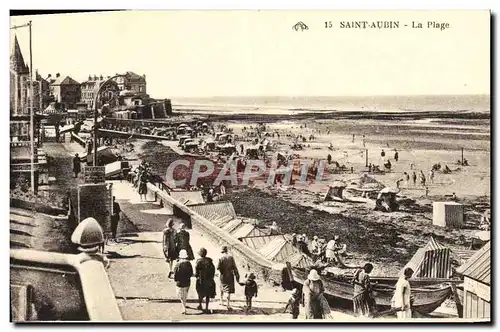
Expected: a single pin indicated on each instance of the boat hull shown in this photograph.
(426, 300)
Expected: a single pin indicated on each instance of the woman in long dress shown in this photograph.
(228, 272)
(143, 188)
(205, 284)
(362, 300)
(182, 242)
(402, 296)
(313, 290)
(183, 272)
(169, 249)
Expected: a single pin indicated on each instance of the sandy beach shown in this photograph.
(388, 240)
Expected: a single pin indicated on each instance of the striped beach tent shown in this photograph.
(431, 261)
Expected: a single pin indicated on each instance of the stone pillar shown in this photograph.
(94, 200)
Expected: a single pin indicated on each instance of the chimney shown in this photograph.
(95, 78)
(100, 78)
(90, 78)
(57, 75)
(49, 76)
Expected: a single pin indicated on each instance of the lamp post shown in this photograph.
(97, 98)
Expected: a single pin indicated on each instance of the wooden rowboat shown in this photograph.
(428, 295)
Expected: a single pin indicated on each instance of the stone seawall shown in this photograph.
(247, 257)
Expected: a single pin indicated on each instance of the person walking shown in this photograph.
(182, 242)
(169, 249)
(431, 176)
(115, 217)
(414, 178)
(77, 166)
(183, 272)
(251, 290)
(363, 301)
(312, 290)
(396, 155)
(294, 303)
(205, 284)
(228, 272)
(422, 178)
(402, 300)
(143, 188)
(330, 250)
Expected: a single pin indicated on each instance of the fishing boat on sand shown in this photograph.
(428, 294)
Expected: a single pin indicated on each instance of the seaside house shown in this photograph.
(66, 91)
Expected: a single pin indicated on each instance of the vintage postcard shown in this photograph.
(250, 166)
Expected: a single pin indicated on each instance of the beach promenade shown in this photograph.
(138, 271)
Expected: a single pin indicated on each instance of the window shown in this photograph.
(140, 88)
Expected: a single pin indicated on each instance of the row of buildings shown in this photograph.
(67, 93)
(54, 96)
(61, 93)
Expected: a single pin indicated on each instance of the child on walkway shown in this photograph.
(250, 290)
(294, 303)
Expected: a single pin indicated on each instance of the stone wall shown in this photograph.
(249, 259)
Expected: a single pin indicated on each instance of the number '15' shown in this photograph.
(328, 24)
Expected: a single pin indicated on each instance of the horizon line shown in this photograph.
(346, 95)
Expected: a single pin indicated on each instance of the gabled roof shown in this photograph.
(478, 267)
(69, 81)
(16, 59)
(134, 77)
(64, 81)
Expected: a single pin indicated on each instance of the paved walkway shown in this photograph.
(138, 272)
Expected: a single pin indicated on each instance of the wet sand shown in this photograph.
(388, 240)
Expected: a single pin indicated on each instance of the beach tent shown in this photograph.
(279, 249)
(187, 197)
(300, 260)
(246, 229)
(335, 190)
(431, 261)
(213, 211)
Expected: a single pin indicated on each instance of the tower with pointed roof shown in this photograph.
(20, 136)
(17, 63)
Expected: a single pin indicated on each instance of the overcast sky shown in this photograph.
(231, 53)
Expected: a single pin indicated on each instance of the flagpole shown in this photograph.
(32, 117)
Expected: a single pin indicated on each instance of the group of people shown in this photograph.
(139, 178)
(364, 301)
(177, 249)
(319, 249)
